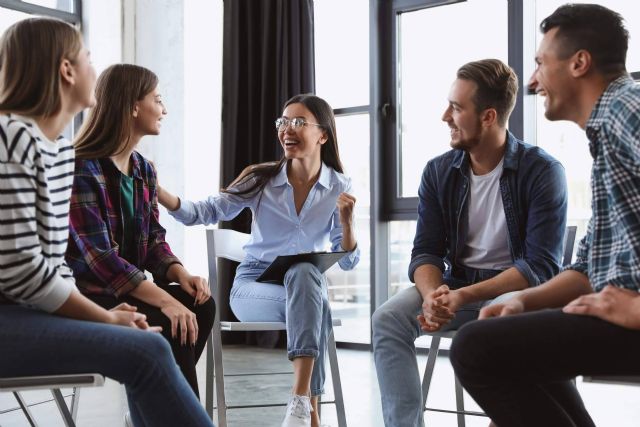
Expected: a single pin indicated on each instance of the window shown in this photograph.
(401, 235)
(427, 37)
(430, 40)
(342, 79)
(64, 5)
(15, 10)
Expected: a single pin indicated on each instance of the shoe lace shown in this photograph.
(299, 407)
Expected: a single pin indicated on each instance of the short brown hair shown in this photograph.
(107, 130)
(497, 86)
(31, 52)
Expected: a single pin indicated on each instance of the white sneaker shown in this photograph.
(298, 412)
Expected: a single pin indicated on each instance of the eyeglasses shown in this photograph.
(295, 123)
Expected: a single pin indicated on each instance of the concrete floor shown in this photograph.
(104, 407)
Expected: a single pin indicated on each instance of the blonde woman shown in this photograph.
(48, 327)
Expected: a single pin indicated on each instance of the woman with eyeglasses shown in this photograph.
(47, 327)
(115, 233)
(299, 204)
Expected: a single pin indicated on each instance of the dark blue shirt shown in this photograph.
(534, 195)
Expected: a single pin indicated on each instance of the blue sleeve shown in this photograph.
(222, 207)
(546, 222)
(351, 259)
(429, 244)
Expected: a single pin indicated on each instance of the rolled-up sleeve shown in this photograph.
(546, 222)
(351, 259)
(429, 244)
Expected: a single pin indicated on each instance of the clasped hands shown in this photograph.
(439, 308)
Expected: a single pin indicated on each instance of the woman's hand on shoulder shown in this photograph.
(165, 198)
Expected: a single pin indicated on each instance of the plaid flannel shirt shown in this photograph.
(610, 251)
(96, 228)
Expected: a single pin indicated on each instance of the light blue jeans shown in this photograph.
(36, 343)
(395, 328)
(302, 303)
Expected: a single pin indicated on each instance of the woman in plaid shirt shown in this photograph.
(115, 234)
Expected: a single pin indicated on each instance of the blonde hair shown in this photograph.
(107, 130)
(31, 52)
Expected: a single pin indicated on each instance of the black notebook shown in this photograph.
(276, 271)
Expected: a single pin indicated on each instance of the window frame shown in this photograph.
(74, 17)
(394, 207)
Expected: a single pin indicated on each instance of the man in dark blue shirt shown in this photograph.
(491, 220)
(516, 367)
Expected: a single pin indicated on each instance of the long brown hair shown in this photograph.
(31, 52)
(107, 130)
(261, 173)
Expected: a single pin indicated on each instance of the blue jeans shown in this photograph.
(395, 328)
(302, 303)
(38, 343)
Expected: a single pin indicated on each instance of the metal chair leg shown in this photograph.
(75, 400)
(337, 384)
(208, 399)
(428, 372)
(219, 375)
(62, 407)
(459, 402)
(25, 409)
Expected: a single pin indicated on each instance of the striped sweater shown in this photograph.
(36, 176)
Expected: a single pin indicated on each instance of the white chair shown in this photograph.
(54, 382)
(228, 244)
(567, 253)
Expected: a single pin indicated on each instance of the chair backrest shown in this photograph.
(227, 244)
(223, 243)
(568, 243)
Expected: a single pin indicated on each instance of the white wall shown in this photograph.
(203, 104)
(181, 41)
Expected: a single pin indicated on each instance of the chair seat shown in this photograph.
(445, 334)
(612, 379)
(51, 381)
(260, 326)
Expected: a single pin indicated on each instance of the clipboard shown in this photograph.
(278, 268)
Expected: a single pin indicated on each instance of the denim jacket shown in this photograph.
(534, 195)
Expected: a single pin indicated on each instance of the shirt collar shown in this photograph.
(510, 158)
(135, 165)
(598, 114)
(324, 179)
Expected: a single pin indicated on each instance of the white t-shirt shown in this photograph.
(487, 245)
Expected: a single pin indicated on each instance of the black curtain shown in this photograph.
(268, 57)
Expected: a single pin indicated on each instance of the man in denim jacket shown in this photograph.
(491, 220)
